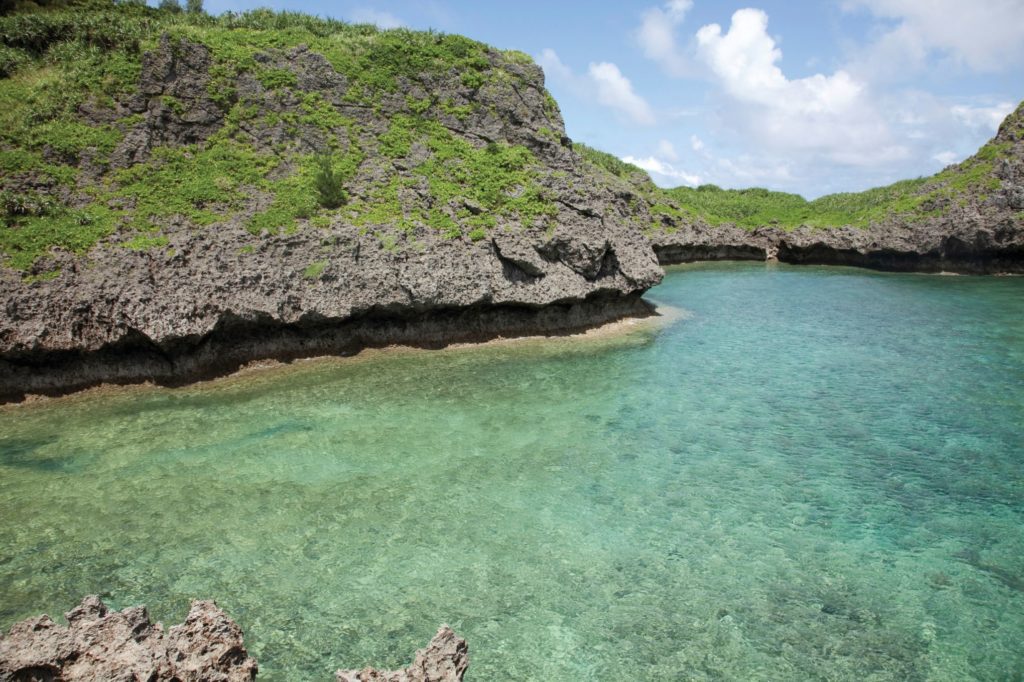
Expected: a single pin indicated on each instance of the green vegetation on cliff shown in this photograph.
(70, 94)
(120, 122)
(906, 200)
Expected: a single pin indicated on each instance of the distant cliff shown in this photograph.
(969, 218)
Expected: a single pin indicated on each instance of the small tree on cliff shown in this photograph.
(327, 182)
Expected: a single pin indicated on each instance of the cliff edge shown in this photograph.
(969, 218)
(238, 190)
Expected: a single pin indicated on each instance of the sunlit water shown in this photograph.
(817, 474)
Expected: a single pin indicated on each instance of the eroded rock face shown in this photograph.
(965, 241)
(445, 659)
(969, 231)
(219, 296)
(102, 646)
(99, 645)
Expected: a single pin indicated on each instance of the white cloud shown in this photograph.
(614, 90)
(744, 59)
(664, 169)
(656, 36)
(983, 35)
(748, 171)
(603, 82)
(838, 129)
(667, 150)
(824, 115)
(553, 66)
(983, 117)
(368, 15)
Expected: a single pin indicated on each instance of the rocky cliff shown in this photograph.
(194, 242)
(185, 194)
(968, 218)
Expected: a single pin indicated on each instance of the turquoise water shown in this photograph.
(818, 473)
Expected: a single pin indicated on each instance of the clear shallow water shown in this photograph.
(819, 474)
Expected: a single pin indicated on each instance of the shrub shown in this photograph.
(327, 182)
(11, 59)
(610, 163)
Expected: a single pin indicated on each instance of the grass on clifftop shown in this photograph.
(62, 72)
(909, 200)
(88, 54)
(750, 208)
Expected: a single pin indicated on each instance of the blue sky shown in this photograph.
(809, 97)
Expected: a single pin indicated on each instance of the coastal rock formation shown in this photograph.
(968, 220)
(100, 645)
(563, 254)
(263, 186)
(965, 242)
(445, 659)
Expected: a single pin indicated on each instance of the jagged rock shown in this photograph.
(217, 298)
(445, 659)
(103, 646)
(99, 645)
(175, 98)
(1015, 197)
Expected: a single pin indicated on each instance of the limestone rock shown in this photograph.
(103, 646)
(219, 297)
(959, 230)
(445, 659)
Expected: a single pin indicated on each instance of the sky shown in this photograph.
(811, 97)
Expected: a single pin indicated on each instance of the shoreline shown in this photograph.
(637, 314)
(684, 265)
(657, 317)
(260, 350)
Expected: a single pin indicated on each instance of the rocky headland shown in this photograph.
(421, 253)
(205, 192)
(968, 219)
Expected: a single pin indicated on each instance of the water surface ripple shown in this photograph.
(817, 474)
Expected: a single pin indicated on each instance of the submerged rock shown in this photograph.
(445, 659)
(101, 645)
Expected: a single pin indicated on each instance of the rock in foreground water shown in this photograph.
(101, 645)
(445, 659)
